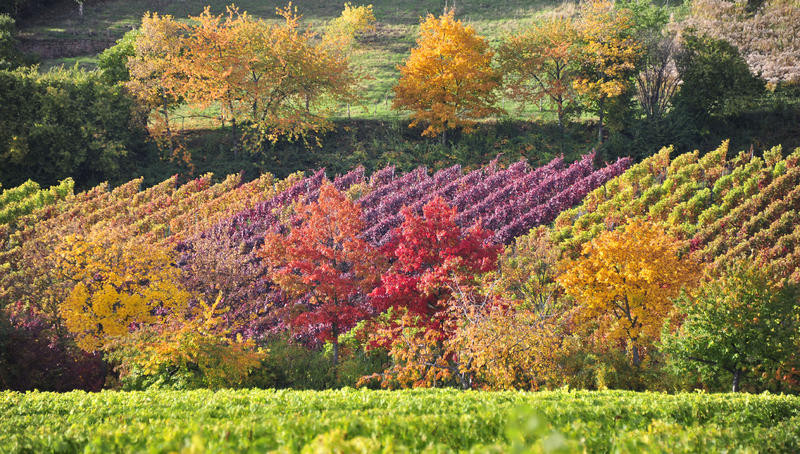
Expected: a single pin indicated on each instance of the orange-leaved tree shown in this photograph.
(324, 262)
(117, 286)
(541, 63)
(152, 77)
(609, 53)
(448, 80)
(625, 280)
(279, 79)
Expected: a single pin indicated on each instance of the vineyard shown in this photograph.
(217, 228)
(723, 209)
(406, 421)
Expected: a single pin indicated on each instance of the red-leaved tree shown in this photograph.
(431, 254)
(431, 258)
(324, 264)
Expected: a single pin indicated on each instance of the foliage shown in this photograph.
(715, 78)
(766, 37)
(32, 356)
(279, 78)
(65, 123)
(541, 64)
(353, 22)
(439, 420)
(10, 56)
(624, 282)
(609, 53)
(509, 201)
(186, 351)
(741, 325)
(116, 288)
(323, 261)
(508, 347)
(448, 80)
(431, 257)
(28, 197)
(721, 208)
(113, 62)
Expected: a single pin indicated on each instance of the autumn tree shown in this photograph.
(503, 345)
(324, 261)
(117, 286)
(152, 78)
(448, 80)
(353, 22)
(432, 256)
(541, 63)
(625, 280)
(609, 53)
(741, 324)
(279, 80)
(188, 349)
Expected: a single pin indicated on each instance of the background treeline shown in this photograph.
(691, 85)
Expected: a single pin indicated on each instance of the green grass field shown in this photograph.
(397, 421)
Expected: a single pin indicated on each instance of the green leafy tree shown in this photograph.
(10, 56)
(741, 324)
(113, 62)
(65, 123)
(715, 77)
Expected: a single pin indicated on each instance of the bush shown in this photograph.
(33, 356)
(113, 62)
(65, 123)
(10, 56)
(741, 327)
(716, 79)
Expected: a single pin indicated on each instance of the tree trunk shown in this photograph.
(560, 116)
(636, 359)
(335, 352)
(444, 137)
(234, 139)
(600, 124)
(736, 376)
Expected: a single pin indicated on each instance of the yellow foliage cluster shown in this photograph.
(116, 287)
(353, 21)
(609, 50)
(194, 340)
(448, 80)
(625, 281)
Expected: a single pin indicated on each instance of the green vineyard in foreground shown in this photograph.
(397, 421)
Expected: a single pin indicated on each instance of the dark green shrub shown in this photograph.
(65, 123)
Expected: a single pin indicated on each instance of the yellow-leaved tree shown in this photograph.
(609, 53)
(194, 348)
(354, 21)
(117, 286)
(448, 80)
(625, 281)
(152, 76)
